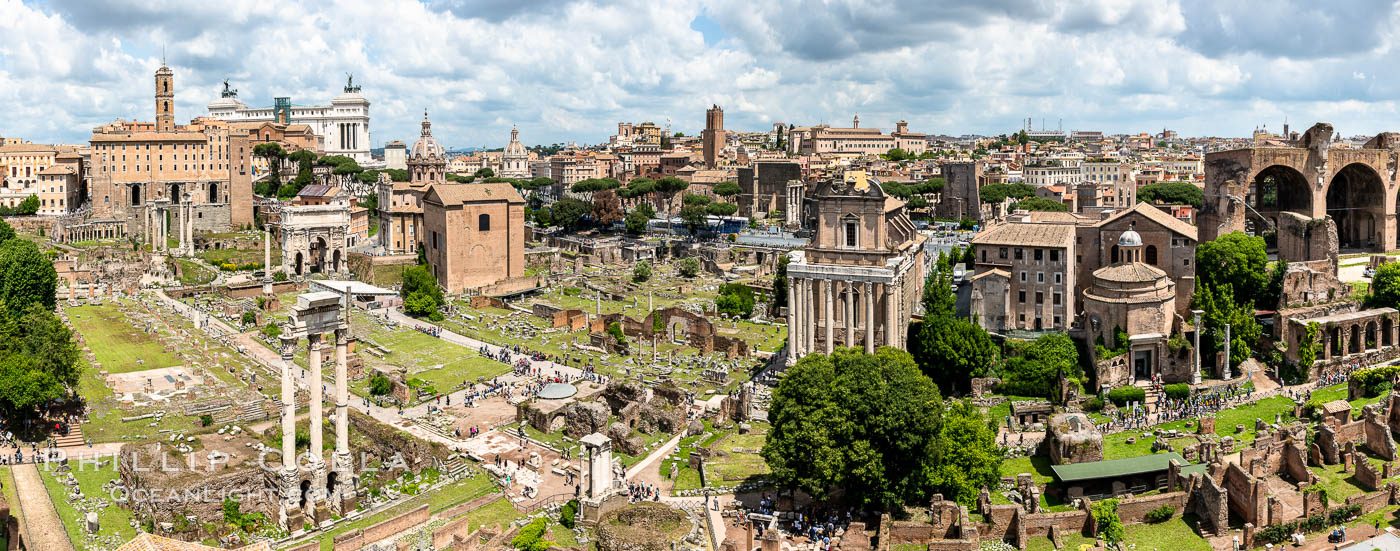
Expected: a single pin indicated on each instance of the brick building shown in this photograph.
(474, 234)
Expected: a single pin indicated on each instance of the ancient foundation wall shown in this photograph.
(1134, 510)
(353, 541)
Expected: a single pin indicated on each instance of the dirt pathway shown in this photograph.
(40, 518)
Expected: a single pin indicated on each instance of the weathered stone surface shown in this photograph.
(695, 427)
(1072, 438)
(1206, 426)
(623, 441)
(584, 418)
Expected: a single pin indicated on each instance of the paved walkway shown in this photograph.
(40, 518)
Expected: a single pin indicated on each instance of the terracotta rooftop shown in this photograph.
(472, 193)
(1027, 235)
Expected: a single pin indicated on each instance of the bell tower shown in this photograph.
(165, 98)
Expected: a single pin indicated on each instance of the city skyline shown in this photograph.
(569, 71)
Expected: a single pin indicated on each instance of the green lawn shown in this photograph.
(119, 346)
(114, 520)
(442, 364)
(1176, 534)
(1039, 467)
(191, 273)
(7, 484)
(496, 513)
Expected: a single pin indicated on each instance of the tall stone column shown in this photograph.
(809, 315)
(869, 298)
(316, 382)
(827, 318)
(290, 510)
(189, 228)
(1196, 352)
(267, 260)
(343, 489)
(899, 321)
(794, 319)
(850, 313)
(888, 291)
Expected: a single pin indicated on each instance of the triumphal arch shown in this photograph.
(1315, 195)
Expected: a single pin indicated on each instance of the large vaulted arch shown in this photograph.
(1356, 202)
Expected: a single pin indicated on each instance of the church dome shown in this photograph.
(1130, 238)
(515, 148)
(426, 147)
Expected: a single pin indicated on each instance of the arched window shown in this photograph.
(213, 193)
(483, 222)
(1151, 257)
(1113, 255)
(135, 195)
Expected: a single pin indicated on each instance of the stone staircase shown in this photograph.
(74, 438)
(456, 467)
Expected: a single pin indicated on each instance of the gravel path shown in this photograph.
(40, 518)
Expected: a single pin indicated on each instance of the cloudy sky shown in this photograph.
(570, 69)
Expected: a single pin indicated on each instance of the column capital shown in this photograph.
(289, 347)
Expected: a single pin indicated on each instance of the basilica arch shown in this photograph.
(1304, 190)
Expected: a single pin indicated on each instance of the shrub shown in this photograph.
(379, 385)
(688, 266)
(1161, 514)
(567, 514)
(206, 420)
(272, 330)
(1178, 391)
(1094, 404)
(279, 276)
(1312, 407)
(249, 318)
(1124, 395)
(1110, 526)
(572, 291)
(641, 271)
(615, 329)
(1375, 380)
(529, 538)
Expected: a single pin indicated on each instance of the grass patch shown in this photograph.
(114, 520)
(1039, 467)
(119, 347)
(496, 513)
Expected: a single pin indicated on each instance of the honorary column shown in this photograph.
(343, 465)
(850, 312)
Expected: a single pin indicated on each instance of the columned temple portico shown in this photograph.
(857, 283)
(849, 305)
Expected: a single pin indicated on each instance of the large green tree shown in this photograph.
(26, 276)
(866, 424)
(569, 213)
(949, 350)
(694, 217)
(422, 296)
(1385, 286)
(1036, 371)
(969, 458)
(1236, 259)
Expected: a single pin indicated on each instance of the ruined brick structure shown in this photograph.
(1354, 188)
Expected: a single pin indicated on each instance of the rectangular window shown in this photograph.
(1057, 321)
(1057, 302)
(1023, 277)
(1054, 255)
(984, 255)
(1021, 295)
(1039, 297)
(1019, 255)
(850, 234)
(1039, 255)
(1003, 253)
(1040, 277)
(1058, 278)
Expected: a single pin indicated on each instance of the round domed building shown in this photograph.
(1136, 298)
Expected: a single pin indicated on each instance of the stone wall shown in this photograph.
(353, 541)
(1366, 473)
(1134, 510)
